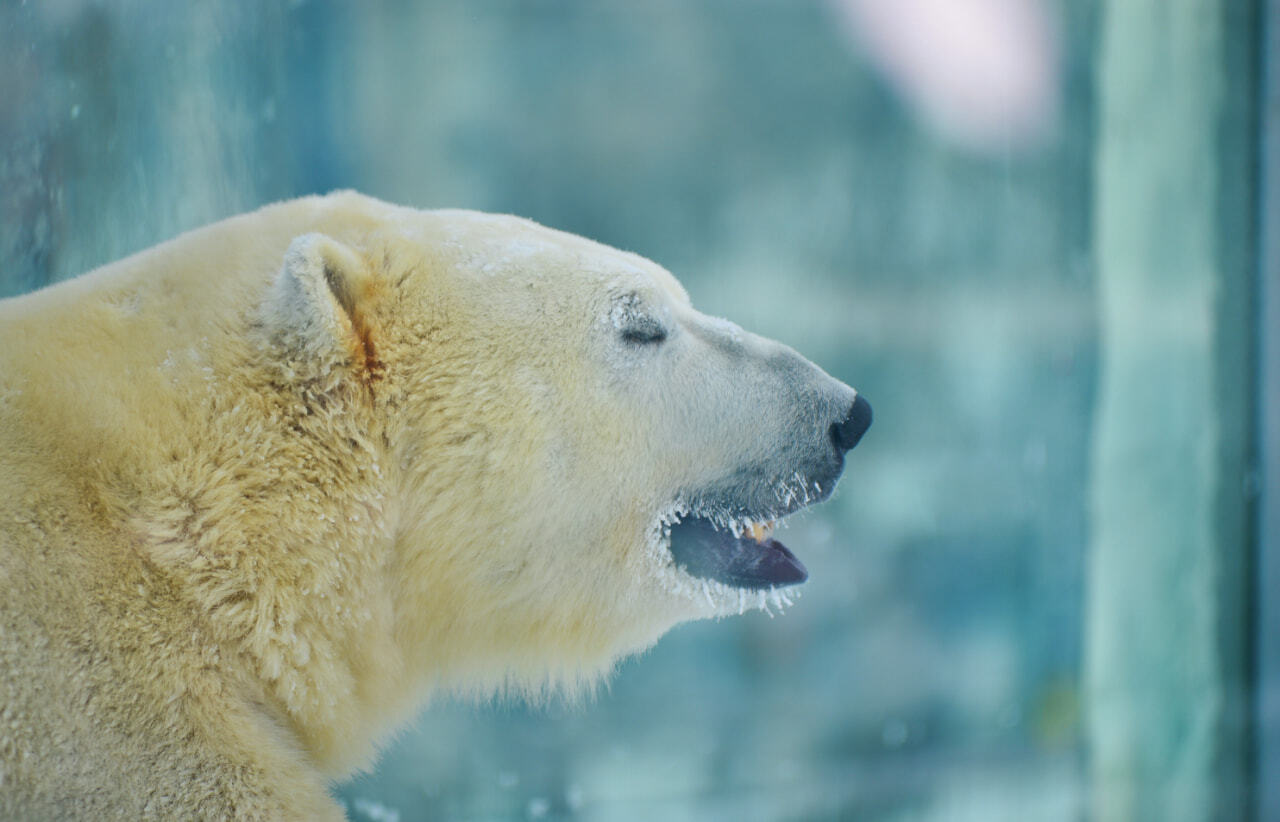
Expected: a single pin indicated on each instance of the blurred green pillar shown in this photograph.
(1167, 599)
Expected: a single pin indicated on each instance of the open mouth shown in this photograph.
(723, 543)
(720, 546)
(742, 553)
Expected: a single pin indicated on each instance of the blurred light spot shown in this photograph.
(375, 811)
(983, 73)
(574, 797)
(894, 734)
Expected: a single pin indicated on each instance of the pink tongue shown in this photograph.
(703, 551)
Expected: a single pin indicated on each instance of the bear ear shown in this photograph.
(314, 304)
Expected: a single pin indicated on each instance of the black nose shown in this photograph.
(845, 434)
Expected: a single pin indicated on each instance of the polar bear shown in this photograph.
(266, 486)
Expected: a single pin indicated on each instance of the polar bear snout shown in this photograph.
(721, 536)
(846, 433)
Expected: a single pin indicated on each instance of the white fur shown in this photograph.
(266, 486)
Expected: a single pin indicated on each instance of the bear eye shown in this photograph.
(644, 331)
(634, 323)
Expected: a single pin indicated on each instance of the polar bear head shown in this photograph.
(577, 458)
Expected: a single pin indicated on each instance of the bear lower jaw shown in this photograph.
(739, 555)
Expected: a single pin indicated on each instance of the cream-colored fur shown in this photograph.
(266, 486)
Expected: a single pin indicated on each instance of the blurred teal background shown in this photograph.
(1043, 591)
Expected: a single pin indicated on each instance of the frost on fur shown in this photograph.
(710, 597)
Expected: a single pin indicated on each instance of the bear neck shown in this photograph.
(274, 520)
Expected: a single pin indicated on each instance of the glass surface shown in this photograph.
(784, 161)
